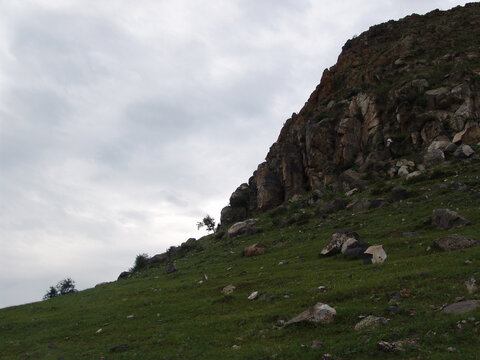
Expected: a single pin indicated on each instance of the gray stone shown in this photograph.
(446, 219)
(370, 322)
(413, 174)
(441, 145)
(403, 171)
(450, 149)
(318, 314)
(433, 157)
(471, 285)
(463, 152)
(454, 242)
(124, 275)
(158, 259)
(229, 289)
(461, 307)
(241, 227)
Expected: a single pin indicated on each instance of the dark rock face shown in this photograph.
(446, 219)
(124, 275)
(170, 268)
(370, 96)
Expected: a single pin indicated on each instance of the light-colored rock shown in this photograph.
(318, 314)
(241, 227)
(338, 238)
(378, 254)
(229, 289)
(446, 219)
(471, 285)
(403, 171)
(370, 322)
(351, 192)
(413, 174)
(405, 162)
(349, 242)
(454, 242)
(461, 307)
(253, 295)
(440, 145)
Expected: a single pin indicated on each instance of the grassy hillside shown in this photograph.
(181, 315)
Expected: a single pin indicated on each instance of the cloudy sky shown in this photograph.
(122, 123)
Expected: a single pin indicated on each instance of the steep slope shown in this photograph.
(412, 81)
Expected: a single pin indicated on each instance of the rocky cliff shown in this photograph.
(395, 89)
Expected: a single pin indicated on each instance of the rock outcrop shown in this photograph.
(396, 89)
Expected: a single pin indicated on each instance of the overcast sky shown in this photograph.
(122, 123)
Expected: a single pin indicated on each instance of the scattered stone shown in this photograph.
(471, 285)
(124, 275)
(119, 348)
(403, 171)
(451, 349)
(227, 290)
(447, 219)
(338, 238)
(171, 268)
(242, 227)
(98, 331)
(454, 242)
(413, 174)
(130, 316)
(235, 347)
(463, 152)
(318, 314)
(316, 345)
(378, 254)
(441, 145)
(397, 345)
(461, 307)
(370, 322)
(322, 288)
(399, 193)
(450, 149)
(253, 295)
(254, 249)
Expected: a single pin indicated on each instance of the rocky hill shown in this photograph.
(395, 89)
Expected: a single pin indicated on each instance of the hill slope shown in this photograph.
(185, 315)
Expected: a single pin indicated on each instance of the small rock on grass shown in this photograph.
(253, 295)
(318, 314)
(471, 285)
(227, 290)
(370, 322)
(461, 307)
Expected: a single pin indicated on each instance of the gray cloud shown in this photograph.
(122, 123)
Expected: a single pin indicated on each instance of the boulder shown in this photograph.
(318, 314)
(461, 307)
(270, 192)
(434, 157)
(359, 205)
(463, 152)
(370, 322)
(454, 242)
(440, 144)
(378, 254)
(469, 135)
(450, 149)
(331, 207)
(158, 259)
(350, 179)
(124, 275)
(413, 174)
(254, 249)
(242, 227)
(171, 268)
(337, 240)
(399, 193)
(446, 219)
(230, 214)
(378, 203)
(403, 171)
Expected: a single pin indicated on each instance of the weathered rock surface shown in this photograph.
(254, 249)
(446, 219)
(454, 242)
(370, 322)
(461, 307)
(243, 227)
(171, 268)
(229, 289)
(337, 241)
(463, 152)
(318, 314)
(341, 125)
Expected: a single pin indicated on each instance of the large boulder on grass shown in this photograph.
(454, 242)
(337, 240)
(242, 227)
(446, 219)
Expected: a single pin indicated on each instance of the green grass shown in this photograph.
(176, 317)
